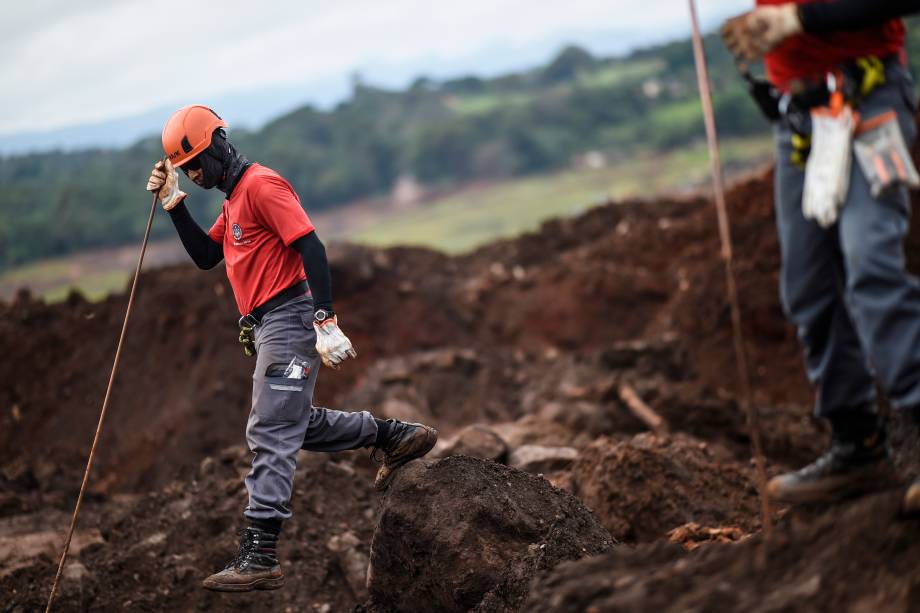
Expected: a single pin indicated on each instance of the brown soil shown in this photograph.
(859, 556)
(532, 336)
(485, 532)
(644, 487)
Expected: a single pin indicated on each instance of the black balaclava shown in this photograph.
(222, 165)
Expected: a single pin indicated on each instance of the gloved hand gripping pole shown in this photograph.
(105, 404)
(744, 382)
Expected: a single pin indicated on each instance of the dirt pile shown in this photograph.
(532, 338)
(645, 487)
(631, 270)
(486, 530)
(858, 556)
(154, 549)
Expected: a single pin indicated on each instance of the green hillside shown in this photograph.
(440, 132)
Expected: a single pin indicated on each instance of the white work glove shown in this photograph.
(827, 172)
(332, 344)
(164, 180)
(756, 32)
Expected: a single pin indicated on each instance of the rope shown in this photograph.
(105, 404)
(744, 381)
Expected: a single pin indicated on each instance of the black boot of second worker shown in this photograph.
(856, 463)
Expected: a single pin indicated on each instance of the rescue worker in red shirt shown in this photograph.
(838, 82)
(280, 277)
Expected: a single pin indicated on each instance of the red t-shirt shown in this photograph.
(807, 57)
(256, 228)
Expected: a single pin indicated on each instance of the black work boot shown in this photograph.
(406, 441)
(856, 463)
(255, 567)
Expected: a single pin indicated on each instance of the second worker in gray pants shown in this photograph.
(843, 284)
(272, 251)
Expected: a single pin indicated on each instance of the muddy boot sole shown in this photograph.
(871, 478)
(419, 447)
(262, 583)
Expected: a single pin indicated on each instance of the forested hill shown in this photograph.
(437, 131)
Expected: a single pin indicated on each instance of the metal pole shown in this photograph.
(105, 404)
(744, 381)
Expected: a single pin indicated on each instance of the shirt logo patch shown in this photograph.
(237, 231)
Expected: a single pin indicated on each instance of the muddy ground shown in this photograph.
(533, 340)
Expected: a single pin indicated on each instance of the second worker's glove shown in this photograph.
(332, 344)
(756, 32)
(164, 180)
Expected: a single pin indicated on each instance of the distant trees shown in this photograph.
(461, 129)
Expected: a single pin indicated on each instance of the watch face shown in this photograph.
(320, 315)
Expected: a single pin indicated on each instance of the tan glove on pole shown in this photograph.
(164, 180)
(751, 35)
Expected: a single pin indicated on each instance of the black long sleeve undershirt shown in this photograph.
(316, 265)
(204, 252)
(820, 17)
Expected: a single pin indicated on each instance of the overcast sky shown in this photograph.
(67, 63)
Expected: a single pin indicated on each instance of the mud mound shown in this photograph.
(464, 533)
(156, 548)
(642, 488)
(858, 556)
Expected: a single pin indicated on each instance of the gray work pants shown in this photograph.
(845, 287)
(283, 419)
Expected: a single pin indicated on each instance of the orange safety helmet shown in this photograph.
(188, 132)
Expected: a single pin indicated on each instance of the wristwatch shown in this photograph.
(321, 315)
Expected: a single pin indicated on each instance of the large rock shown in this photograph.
(477, 441)
(352, 561)
(465, 534)
(540, 459)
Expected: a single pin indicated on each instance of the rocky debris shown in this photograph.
(353, 561)
(74, 572)
(476, 441)
(464, 534)
(644, 487)
(540, 459)
(692, 535)
(664, 355)
(25, 538)
(159, 546)
(856, 556)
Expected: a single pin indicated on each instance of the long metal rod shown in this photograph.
(744, 381)
(105, 405)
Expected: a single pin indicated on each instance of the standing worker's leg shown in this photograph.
(883, 298)
(812, 286)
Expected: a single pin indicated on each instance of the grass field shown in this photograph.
(45, 277)
(477, 215)
(460, 222)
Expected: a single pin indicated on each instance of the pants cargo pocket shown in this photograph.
(281, 400)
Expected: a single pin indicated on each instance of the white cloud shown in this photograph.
(66, 63)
